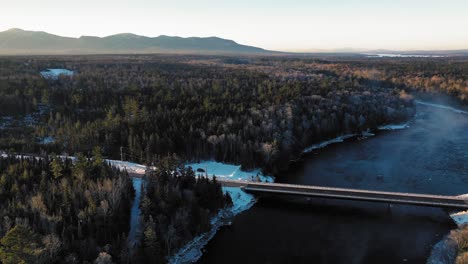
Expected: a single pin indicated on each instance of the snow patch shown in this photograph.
(241, 200)
(54, 74)
(191, 252)
(227, 171)
(128, 166)
(329, 142)
(367, 133)
(47, 140)
(460, 218)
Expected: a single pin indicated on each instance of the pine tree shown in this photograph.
(56, 167)
(20, 245)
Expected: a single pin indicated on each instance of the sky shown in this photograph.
(292, 25)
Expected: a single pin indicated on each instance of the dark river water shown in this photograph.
(429, 157)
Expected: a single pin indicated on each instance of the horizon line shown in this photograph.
(348, 50)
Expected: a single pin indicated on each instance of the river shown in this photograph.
(431, 156)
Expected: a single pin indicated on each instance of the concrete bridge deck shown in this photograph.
(454, 202)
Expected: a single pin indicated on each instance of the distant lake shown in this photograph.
(383, 55)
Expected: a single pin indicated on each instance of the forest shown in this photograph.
(55, 210)
(176, 207)
(164, 110)
(255, 111)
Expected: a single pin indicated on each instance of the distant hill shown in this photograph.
(18, 41)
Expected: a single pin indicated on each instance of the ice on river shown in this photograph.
(55, 73)
(227, 171)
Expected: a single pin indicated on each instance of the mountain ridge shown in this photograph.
(17, 41)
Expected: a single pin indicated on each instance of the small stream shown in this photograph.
(135, 221)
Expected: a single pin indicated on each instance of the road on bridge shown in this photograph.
(350, 194)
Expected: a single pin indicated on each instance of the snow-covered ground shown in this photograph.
(460, 218)
(55, 73)
(328, 142)
(128, 166)
(227, 171)
(47, 140)
(191, 252)
(442, 107)
(393, 127)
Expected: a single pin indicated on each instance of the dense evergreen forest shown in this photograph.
(54, 210)
(258, 112)
(176, 207)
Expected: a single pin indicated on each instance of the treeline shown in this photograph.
(176, 207)
(58, 211)
(433, 76)
(258, 114)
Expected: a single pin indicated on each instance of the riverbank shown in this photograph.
(191, 252)
(428, 157)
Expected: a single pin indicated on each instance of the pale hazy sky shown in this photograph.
(270, 24)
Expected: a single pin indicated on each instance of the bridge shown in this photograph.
(452, 202)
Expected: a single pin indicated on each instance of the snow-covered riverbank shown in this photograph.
(227, 171)
(461, 218)
(343, 138)
(242, 201)
(328, 142)
(445, 251)
(394, 127)
(191, 252)
(446, 107)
